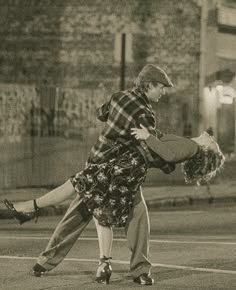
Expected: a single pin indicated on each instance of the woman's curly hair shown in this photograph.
(203, 165)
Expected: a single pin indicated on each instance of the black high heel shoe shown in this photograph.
(104, 270)
(20, 216)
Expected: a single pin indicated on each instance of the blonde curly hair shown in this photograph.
(204, 165)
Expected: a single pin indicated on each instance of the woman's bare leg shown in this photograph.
(55, 196)
(105, 238)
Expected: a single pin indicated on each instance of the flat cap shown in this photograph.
(152, 73)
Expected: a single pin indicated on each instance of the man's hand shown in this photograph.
(140, 134)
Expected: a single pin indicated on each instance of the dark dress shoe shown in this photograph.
(38, 270)
(144, 279)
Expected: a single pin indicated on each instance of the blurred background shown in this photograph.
(60, 60)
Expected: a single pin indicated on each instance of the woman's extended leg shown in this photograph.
(55, 196)
(105, 238)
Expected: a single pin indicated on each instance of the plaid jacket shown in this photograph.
(125, 110)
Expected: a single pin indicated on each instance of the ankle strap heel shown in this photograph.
(105, 259)
(104, 270)
(20, 216)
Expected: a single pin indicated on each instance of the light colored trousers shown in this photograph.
(77, 218)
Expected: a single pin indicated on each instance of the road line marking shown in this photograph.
(189, 268)
(23, 238)
(124, 240)
(195, 268)
(193, 242)
(172, 212)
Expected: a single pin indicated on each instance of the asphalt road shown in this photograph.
(190, 249)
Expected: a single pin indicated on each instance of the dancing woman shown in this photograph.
(201, 158)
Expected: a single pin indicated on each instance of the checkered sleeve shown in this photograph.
(147, 119)
(130, 111)
(102, 112)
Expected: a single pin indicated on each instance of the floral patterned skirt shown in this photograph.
(109, 188)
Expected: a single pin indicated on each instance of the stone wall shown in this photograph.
(72, 43)
(75, 46)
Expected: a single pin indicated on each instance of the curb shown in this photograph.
(189, 201)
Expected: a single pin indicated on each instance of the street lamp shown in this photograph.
(226, 94)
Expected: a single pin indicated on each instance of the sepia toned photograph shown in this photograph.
(118, 144)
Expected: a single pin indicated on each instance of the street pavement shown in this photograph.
(193, 237)
(191, 249)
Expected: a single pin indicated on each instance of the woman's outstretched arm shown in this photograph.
(170, 147)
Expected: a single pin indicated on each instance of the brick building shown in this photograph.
(60, 59)
(217, 103)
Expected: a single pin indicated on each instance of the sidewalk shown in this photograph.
(157, 197)
(189, 195)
